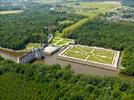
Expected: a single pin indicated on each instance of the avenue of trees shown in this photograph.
(73, 27)
(43, 82)
(17, 30)
(116, 35)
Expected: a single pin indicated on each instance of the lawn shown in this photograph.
(93, 54)
(64, 22)
(11, 12)
(31, 46)
(58, 41)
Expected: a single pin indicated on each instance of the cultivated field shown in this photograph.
(57, 41)
(92, 8)
(92, 54)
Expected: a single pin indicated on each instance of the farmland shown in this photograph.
(91, 9)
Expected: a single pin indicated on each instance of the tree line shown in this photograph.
(44, 82)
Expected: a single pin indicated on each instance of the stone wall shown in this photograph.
(113, 67)
(87, 63)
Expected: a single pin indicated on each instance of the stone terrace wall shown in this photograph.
(61, 56)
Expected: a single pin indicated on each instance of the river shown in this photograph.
(10, 54)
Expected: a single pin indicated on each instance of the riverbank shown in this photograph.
(12, 52)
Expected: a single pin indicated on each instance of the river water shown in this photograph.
(128, 2)
(10, 54)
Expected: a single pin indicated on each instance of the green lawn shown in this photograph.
(58, 34)
(10, 12)
(75, 52)
(64, 22)
(91, 54)
(31, 46)
(58, 41)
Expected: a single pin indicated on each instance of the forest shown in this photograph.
(53, 82)
(17, 30)
(115, 35)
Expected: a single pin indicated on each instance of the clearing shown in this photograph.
(90, 9)
(10, 12)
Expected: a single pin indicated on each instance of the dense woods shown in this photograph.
(43, 82)
(54, 82)
(19, 29)
(115, 35)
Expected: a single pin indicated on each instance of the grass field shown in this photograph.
(90, 9)
(31, 46)
(58, 41)
(64, 22)
(92, 54)
(10, 12)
